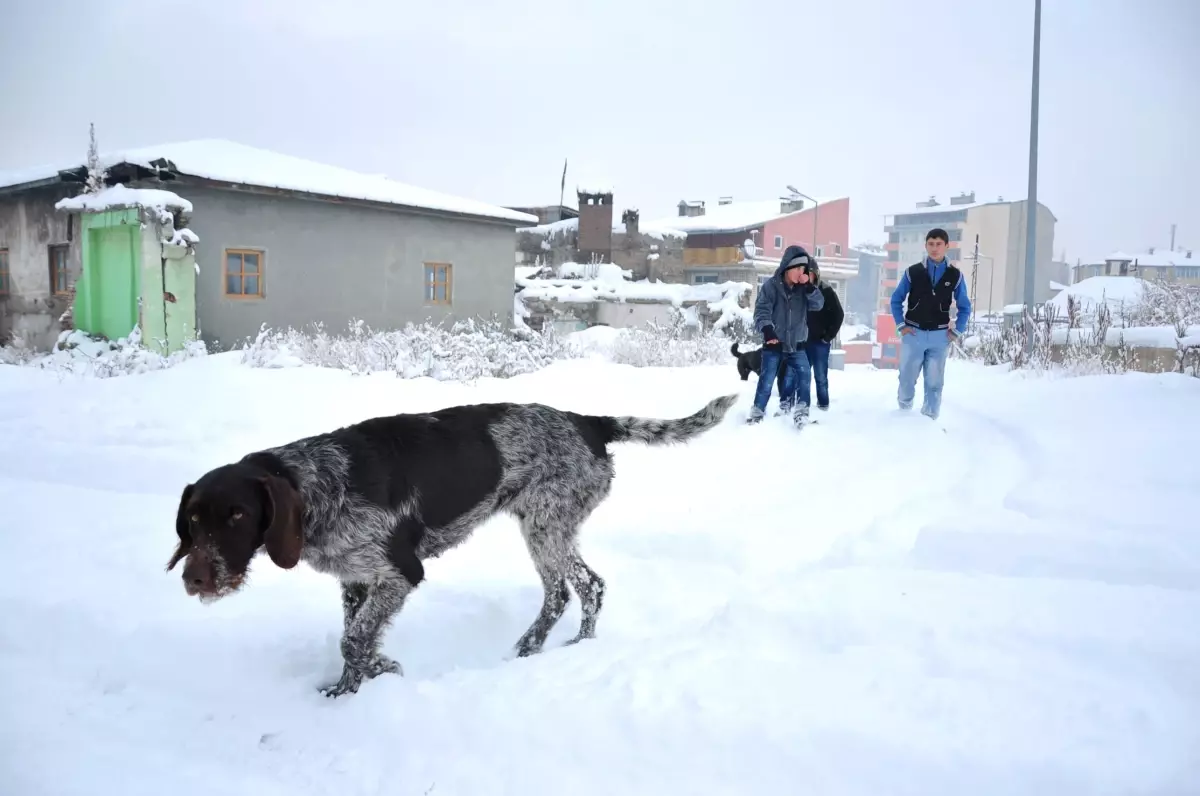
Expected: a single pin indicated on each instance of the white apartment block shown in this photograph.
(998, 279)
(1169, 266)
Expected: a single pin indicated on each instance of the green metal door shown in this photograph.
(107, 291)
(116, 291)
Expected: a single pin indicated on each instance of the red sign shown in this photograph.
(885, 329)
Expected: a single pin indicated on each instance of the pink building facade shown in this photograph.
(833, 231)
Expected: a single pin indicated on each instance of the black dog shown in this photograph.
(752, 361)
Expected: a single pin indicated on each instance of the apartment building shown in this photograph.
(1168, 266)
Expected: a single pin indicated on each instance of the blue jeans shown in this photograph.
(923, 353)
(818, 356)
(795, 379)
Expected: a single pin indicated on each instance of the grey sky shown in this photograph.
(886, 102)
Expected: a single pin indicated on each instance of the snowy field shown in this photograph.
(1005, 602)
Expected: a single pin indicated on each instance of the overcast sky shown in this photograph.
(884, 102)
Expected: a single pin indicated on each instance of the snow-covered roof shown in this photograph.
(1158, 258)
(571, 224)
(1113, 290)
(584, 283)
(120, 196)
(949, 208)
(944, 208)
(228, 161)
(733, 216)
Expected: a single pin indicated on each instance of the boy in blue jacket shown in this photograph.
(781, 316)
(924, 327)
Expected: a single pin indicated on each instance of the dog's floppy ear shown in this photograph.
(181, 528)
(281, 518)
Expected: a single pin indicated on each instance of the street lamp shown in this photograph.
(1031, 203)
(816, 212)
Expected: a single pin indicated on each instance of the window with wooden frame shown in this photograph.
(59, 273)
(5, 286)
(439, 283)
(244, 273)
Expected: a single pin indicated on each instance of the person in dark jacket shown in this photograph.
(823, 328)
(781, 316)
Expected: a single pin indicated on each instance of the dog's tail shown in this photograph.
(655, 431)
(734, 350)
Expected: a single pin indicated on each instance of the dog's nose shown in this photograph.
(197, 578)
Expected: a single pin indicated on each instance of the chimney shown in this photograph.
(790, 204)
(630, 219)
(724, 200)
(682, 208)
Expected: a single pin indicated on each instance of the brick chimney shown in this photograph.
(630, 219)
(790, 204)
(595, 226)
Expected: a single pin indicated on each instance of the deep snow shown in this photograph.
(873, 606)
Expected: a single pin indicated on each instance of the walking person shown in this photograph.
(823, 328)
(924, 327)
(781, 316)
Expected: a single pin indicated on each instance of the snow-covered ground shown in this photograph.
(875, 606)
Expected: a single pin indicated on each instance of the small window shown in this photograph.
(58, 269)
(704, 279)
(439, 283)
(837, 250)
(778, 241)
(820, 251)
(244, 273)
(5, 285)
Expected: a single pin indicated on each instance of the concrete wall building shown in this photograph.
(862, 292)
(282, 241)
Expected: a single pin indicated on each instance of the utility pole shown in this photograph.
(1172, 237)
(562, 189)
(974, 275)
(1031, 203)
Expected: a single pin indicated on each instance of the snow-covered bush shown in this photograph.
(467, 350)
(80, 354)
(677, 343)
(1108, 345)
(1168, 304)
(470, 350)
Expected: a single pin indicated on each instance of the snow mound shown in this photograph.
(77, 353)
(1118, 292)
(594, 340)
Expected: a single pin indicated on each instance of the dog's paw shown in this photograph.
(382, 664)
(581, 637)
(526, 647)
(351, 680)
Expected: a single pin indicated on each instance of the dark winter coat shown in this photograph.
(781, 311)
(825, 323)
